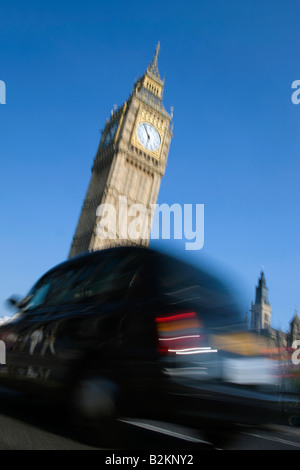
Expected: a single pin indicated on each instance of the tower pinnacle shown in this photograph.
(261, 309)
(152, 69)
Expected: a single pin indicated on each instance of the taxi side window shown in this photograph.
(109, 279)
(64, 284)
(37, 296)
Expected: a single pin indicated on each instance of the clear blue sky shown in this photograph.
(228, 68)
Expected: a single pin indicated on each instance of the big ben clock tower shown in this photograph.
(128, 167)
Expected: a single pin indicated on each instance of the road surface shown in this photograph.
(32, 424)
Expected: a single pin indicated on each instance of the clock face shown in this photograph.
(110, 134)
(148, 136)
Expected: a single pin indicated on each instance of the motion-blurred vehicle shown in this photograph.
(131, 332)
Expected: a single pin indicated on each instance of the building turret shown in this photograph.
(261, 309)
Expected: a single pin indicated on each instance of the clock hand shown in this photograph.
(146, 132)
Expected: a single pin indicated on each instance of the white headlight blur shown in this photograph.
(250, 371)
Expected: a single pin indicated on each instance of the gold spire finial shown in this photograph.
(153, 67)
(157, 49)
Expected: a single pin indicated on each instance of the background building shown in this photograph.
(261, 308)
(260, 321)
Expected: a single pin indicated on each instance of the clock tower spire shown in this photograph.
(127, 170)
(153, 67)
